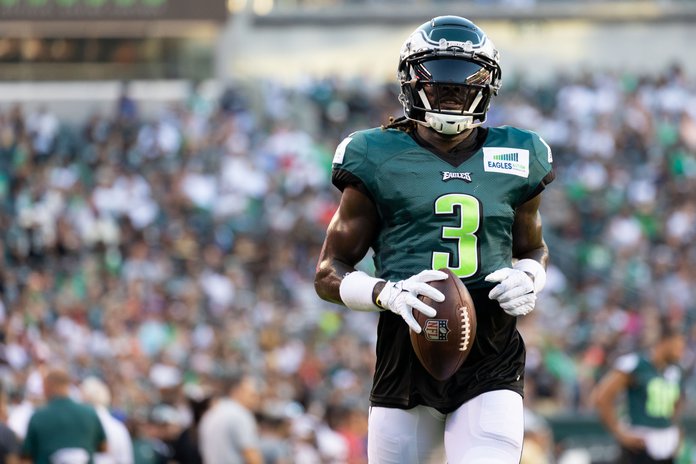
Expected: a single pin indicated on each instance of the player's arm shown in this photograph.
(352, 230)
(252, 456)
(102, 447)
(518, 286)
(349, 236)
(527, 239)
(604, 398)
(678, 412)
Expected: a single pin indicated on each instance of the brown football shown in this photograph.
(446, 339)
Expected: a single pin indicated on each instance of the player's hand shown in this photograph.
(515, 291)
(402, 297)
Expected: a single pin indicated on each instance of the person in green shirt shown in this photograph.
(62, 431)
(652, 383)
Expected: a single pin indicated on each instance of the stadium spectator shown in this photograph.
(10, 446)
(62, 431)
(33, 396)
(186, 447)
(66, 291)
(148, 447)
(119, 449)
(165, 426)
(228, 432)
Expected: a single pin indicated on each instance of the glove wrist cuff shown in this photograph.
(534, 268)
(356, 291)
(386, 296)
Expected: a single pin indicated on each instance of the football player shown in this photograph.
(437, 189)
(652, 384)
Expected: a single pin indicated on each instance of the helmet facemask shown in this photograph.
(448, 71)
(447, 92)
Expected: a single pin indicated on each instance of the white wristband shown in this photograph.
(356, 291)
(535, 269)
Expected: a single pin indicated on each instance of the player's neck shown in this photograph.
(444, 143)
(659, 360)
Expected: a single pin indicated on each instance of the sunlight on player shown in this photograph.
(435, 189)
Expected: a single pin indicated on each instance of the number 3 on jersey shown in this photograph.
(467, 209)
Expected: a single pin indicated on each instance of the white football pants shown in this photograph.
(485, 430)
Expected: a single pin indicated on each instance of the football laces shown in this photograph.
(466, 329)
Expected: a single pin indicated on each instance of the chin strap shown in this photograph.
(448, 124)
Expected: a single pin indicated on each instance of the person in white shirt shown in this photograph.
(19, 414)
(119, 444)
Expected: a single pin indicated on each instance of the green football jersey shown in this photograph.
(436, 215)
(452, 210)
(65, 428)
(653, 394)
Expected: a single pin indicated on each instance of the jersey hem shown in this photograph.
(442, 407)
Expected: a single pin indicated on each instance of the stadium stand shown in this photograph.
(156, 253)
(158, 235)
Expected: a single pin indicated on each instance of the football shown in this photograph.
(446, 339)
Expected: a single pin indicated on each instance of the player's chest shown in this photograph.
(416, 184)
(650, 379)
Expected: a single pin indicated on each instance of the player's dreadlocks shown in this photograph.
(401, 123)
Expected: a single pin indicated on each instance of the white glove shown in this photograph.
(516, 291)
(402, 297)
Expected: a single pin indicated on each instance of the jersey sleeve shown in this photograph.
(627, 363)
(541, 171)
(351, 165)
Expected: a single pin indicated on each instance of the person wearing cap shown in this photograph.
(186, 447)
(63, 431)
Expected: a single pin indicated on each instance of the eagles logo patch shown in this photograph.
(436, 330)
(465, 176)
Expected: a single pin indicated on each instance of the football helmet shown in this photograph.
(448, 71)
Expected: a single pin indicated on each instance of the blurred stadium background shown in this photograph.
(164, 191)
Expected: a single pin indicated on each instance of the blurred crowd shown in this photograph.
(332, 3)
(161, 254)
